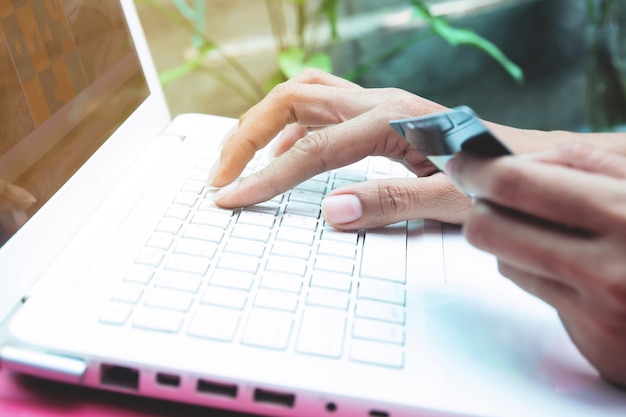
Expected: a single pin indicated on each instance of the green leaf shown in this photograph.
(172, 74)
(275, 79)
(294, 60)
(329, 8)
(457, 36)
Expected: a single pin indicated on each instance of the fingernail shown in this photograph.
(448, 167)
(224, 191)
(449, 171)
(342, 209)
(213, 173)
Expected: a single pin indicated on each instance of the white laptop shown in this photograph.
(118, 272)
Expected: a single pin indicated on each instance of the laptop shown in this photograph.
(118, 272)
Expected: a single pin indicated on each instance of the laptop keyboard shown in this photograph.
(271, 276)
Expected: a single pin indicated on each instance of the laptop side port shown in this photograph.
(216, 388)
(168, 380)
(272, 397)
(378, 413)
(119, 376)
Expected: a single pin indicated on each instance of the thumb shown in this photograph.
(376, 203)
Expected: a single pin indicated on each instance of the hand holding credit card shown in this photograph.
(439, 136)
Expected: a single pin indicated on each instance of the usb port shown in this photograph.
(168, 380)
(216, 388)
(273, 397)
(119, 376)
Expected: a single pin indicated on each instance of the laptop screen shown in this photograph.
(69, 77)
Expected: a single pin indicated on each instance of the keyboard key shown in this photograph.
(150, 256)
(225, 297)
(283, 282)
(304, 209)
(232, 279)
(208, 204)
(334, 264)
(302, 236)
(199, 175)
(214, 323)
(330, 233)
(159, 320)
(169, 299)
(301, 222)
(345, 250)
(331, 280)
(378, 330)
(178, 211)
(268, 207)
(115, 313)
(382, 291)
(202, 248)
(160, 241)
(287, 265)
(313, 186)
(179, 281)
(379, 311)
(328, 298)
(209, 233)
(128, 293)
(322, 332)
(384, 253)
(246, 231)
(256, 218)
(211, 218)
(377, 353)
(292, 250)
(193, 186)
(188, 263)
(238, 262)
(347, 175)
(245, 247)
(186, 198)
(268, 328)
(139, 274)
(277, 300)
(168, 225)
(303, 196)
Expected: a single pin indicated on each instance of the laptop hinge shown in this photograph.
(43, 365)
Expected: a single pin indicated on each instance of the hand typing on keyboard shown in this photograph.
(345, 123)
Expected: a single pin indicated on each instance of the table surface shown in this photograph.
(25, 396)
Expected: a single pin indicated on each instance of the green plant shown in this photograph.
(439, 26)
(298, 46)
(606, 89)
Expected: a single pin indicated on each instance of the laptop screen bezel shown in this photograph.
(36, 245)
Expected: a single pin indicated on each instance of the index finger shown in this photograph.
(585, 157)
(558, 194)
(311, 99)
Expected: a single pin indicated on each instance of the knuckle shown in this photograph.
(284, 89)
(267, 177)
(311, 75)
(403, 102)
(393, 198)
(314, 145)
(576, 150)
(614, 289)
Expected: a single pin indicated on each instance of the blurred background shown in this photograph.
(543, 64)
